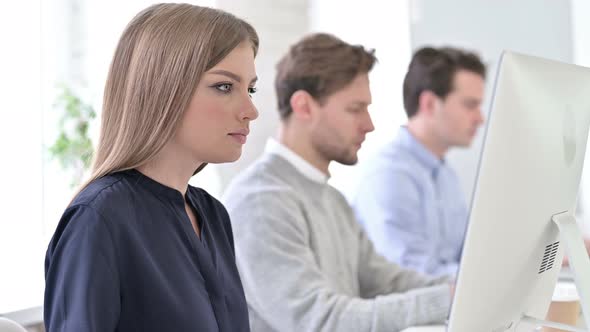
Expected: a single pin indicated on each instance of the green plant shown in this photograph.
(73, 146)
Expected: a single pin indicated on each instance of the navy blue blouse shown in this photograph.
(125, 257)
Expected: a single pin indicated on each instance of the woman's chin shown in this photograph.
(227, 158)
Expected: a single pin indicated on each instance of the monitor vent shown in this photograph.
(549, 257)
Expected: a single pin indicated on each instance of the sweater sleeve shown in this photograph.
(285, 285)
(379, 276)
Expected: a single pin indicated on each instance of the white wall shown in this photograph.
(353, 23)
(536, 27)
(279, 23)
(21, 269)
(346, 19)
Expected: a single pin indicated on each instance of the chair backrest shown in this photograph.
(7, 325)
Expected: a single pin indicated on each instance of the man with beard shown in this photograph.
(305, 262)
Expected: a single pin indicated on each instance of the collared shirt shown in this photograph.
(125, 257)
(411, 205)
(275, 147)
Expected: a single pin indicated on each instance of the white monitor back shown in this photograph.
(529, 170)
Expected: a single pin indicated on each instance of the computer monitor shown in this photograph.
(521, 218)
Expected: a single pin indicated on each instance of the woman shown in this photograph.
(138, 249)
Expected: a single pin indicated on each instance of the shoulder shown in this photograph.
(391, 171)
(112, 203)
(268, 197)
(105, 193)
(388, 177)
(267, 180)
(452, 174)
(390, 161)
(81, 227)
(93, 202)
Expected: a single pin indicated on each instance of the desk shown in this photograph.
(565, 278)
(430, 328)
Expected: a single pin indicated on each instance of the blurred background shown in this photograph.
(54, 60)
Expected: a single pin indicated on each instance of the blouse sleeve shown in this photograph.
(82, 279)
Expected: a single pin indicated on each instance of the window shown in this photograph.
(21, 165)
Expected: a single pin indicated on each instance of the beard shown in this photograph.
(333, 150)
(348, 160)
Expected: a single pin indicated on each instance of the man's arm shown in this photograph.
(379, 276)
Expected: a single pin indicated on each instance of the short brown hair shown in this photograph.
(319, 64)
(433, 69)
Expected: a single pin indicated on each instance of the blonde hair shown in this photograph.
(157, 65)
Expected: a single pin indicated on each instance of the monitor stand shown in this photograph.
(575, 250)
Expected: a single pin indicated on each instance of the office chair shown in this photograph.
(7, 325)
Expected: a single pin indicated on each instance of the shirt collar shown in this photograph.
(155, 186)
(308, 170)
(424, 156)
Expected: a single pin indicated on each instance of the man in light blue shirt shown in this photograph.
(409, 200)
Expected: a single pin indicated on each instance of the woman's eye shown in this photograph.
(252, 90)
(225, 87)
